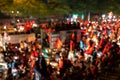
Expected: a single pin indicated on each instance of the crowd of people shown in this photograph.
(97, 51)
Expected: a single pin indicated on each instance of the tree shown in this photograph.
(45, 8)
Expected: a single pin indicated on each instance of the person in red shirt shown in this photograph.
(27, 26)
(33, 57)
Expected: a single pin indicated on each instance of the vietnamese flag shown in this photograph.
(101, 41)
(72, 45)
(73, 36)
(106, 48)
(90, 50)
(58, 44)
(86, 22)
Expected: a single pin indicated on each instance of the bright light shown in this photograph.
(5, 27)
(114, 17)
(21, 28)
(18, 20)
(12, 11)
(67, 19)
(75, 16)
(17, 12)
(103, 15)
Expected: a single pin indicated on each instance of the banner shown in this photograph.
(21, 37)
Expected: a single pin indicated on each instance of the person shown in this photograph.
(82, 44)
(47, 39)
(33, 57)
(6, 37)
(60, 66)
(71, 56)
(1, 41)
(6, 40)
(44, 68)
(9, 77)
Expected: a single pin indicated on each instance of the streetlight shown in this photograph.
(12, 12)
(17, 12)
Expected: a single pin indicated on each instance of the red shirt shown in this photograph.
(34, 54)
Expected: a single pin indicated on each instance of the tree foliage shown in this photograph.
(41, 8)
